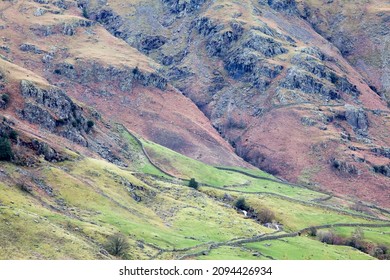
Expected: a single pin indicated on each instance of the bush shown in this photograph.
(193, 184)
(5, 97)
(356, 240)
(241, 204)
(117, 245)
(326, 237)
(13, 134)
(85, 12)
(312, 231)
(5, 149)
(90, 124)
(266, 216)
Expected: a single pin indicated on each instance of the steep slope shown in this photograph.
(82, 58)
(70, 209)
(360, 30)
(283, 96)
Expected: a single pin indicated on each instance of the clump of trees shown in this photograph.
(193, 184)
(117, 245)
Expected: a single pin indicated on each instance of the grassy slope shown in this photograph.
(93, 199)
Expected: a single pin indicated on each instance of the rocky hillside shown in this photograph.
(275, 83)
(143, 122)
(282, 88)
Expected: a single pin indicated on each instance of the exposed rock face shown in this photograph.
(30, 48)
(110, 20)
(281, 5)
(267, 46)
(344, 167)
(357, 118)
(86, 72)
(66, 28)
(298, 79)
(44, 149)
(53, 110)
(188, 6)
(382, 169)
(384, 152)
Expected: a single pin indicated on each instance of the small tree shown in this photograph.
(241, 204)
(85, 12)
(13, 134)
(117, 245)
(90, 124)
(5, 98)
(193, 184)
(5, 149)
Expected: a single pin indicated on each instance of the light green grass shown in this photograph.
(186, 168)
(231, 253)
(139, 160)
(379, 236)
(302, 248)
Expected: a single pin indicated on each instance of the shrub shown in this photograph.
(356, 240)
(5, 149)
(327, 237)
(85, 12)
(193, 184)
(241, 204)
(117, 245)
(90, 124)
(5, 97)
(13, 134)
(312, 231)
(266, 216)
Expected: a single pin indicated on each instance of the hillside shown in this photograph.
(287, 99)
(109, 108)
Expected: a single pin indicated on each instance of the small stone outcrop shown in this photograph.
(53, 110)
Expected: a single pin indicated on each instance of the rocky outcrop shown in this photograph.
(65, 28)
(152, 43)
(206, 26)
(344, 167)
(383, 151)
(30, 48)
(53, 110)
(187, 6)
(44, 149)
(357, 118)
(312, 64)
(287, 6)
(111, 21)
(267, 46)
(220, 43)
(382, 169)
(299, 79)
(86, 72)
